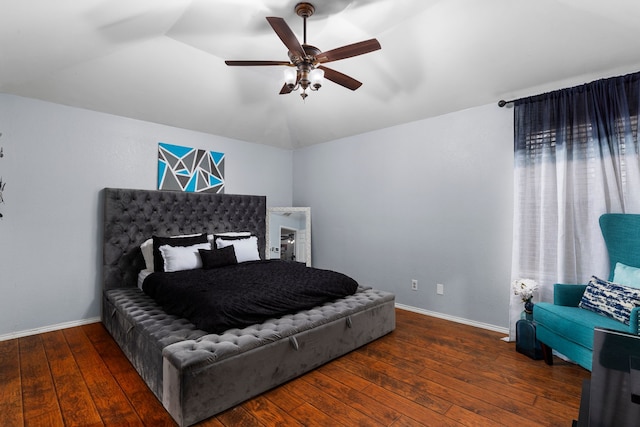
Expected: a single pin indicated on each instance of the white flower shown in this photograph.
(525, 288)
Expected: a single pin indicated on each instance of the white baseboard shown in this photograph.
(400, 306)
(50, 328)
(454, 319)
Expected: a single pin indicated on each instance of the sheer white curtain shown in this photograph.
(576, 157)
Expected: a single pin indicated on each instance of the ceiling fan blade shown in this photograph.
(286, 35)
(341, 79)
(258, 63)
(285, 89)
(348, 51)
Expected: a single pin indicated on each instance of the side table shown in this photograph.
(526, 342)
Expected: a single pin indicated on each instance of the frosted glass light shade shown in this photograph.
(316, 76)
(290, 76)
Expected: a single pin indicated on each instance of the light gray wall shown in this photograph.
(430, 200)
(56, 161)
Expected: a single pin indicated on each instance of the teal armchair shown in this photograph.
(567, 328)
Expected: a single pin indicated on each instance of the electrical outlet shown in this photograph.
(440, 289)
(414, 284)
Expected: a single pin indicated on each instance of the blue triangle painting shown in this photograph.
(179, 168)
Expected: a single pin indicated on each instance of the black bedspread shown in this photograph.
(245, 294)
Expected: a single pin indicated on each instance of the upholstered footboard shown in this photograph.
(142, 330)
(197, 375)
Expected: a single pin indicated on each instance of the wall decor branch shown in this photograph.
(2, 183)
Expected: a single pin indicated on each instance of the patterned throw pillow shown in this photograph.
(610, 299)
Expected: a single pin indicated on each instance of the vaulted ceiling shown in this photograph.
(163, 61)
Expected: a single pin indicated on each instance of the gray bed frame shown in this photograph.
(193, 373)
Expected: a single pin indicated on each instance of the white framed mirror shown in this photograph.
(289, 234)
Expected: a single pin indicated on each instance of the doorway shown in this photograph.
(288, 241)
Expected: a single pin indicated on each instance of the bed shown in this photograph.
(194, 373)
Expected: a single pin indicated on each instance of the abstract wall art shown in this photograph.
(190, 169)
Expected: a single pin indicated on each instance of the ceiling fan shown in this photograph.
(305, 71)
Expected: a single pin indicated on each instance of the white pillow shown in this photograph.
(143, 275)
(147, 252)
(246, 249)
(178, 258)
(147, 249)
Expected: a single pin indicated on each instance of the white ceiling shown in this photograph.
(163, 60)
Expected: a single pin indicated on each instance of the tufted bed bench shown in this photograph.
(196, 374)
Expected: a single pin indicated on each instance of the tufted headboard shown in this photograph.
(133, 216)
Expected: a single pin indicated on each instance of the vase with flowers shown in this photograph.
(525, 288)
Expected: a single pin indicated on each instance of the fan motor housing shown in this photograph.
(310, 55)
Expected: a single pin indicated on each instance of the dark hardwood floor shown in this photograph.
(427, 372)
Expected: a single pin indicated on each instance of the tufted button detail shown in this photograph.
(132, 216)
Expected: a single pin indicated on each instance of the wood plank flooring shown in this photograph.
(427, 372)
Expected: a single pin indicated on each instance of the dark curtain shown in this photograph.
(576, 157)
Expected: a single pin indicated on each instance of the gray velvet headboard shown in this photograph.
(132, 216)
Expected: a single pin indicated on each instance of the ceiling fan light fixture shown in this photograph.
(316, 77)
(312, 78)
(290, 77)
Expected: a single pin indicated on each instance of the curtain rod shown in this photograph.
(586, 86)
(503, 103)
